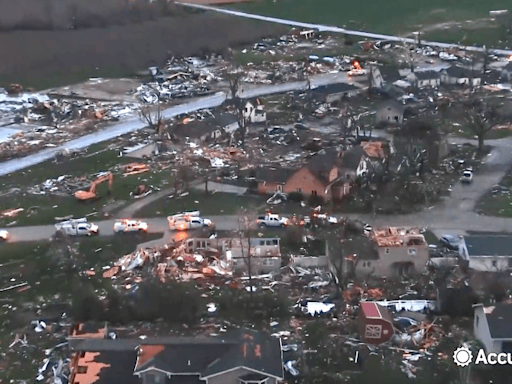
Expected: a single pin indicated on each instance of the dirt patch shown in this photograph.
(43, 59)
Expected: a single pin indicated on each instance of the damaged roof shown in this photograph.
(331, 89)
(499, 318)
(480, 245)
(210, 356)
(352, 157)
(274, 175)
(107, 367)
(426, 75)
(390, 74)
(199, 128)
(323, 162)
(459, 72)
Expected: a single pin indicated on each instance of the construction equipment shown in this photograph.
(187, 220)
(91, 193)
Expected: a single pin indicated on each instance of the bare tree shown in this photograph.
(235, 80)
(480, 117)
(152, 116)
(246, 221)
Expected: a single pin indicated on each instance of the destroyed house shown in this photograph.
(458, 75)
(334, 92)
(492, 327)
(254, 112)
(382, 76)
(424, 79)
(265, 253)
(390, 112)
(401, 251)
(506, 72)
(240, 357)
(271, 180)
(490, 253)
(353, 163)
(207, 130)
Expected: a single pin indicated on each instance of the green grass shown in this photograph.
(52, 281)
(397, 17)
(51, 206)
(498, 204)
(216, 204)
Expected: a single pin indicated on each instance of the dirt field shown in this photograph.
(45, 59)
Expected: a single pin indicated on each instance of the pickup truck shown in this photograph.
(130, 226)
(78, 227)
(272, 220)
(187, 220)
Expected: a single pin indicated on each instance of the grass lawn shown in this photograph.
(397, 17)
(52, 281)
(216, 204)
(498, 203)
(47, 207)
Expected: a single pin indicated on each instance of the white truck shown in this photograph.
(77, 227)
(272, 220)
(187, 220)
(3, 235)
(130, 226)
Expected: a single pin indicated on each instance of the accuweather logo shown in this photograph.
(463, 357)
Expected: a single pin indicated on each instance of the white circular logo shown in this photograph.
(462, 356)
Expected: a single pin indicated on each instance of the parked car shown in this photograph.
(187, 220)
(467, 176)
(4, 235)
(130, 226)
(450, 242)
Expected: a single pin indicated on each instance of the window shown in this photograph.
(373, 331)
(313, 193)
(412, 251)
(494, 264)
(299, 190)
(267, 262)
(280, 188)
(387, 251)
(477, 320)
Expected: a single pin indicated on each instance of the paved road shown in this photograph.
(327, 28)
(132, 124)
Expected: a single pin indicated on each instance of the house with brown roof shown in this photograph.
(320, 176)
(238, 357)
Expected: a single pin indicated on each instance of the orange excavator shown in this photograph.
(91, 193)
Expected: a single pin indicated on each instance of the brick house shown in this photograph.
(329, 174)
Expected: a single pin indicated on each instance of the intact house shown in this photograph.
(237, 357)
(390, 113)
(254, 112)
(492, 327)
(264, 253)
(506, 72)
(424, 79)
(490, 253)
(207, 130)
(388, 252)
(421, 140)
(384, 76)
(334, 92)
(458, 75)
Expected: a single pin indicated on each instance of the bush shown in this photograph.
(315, 200)
(296, 197)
